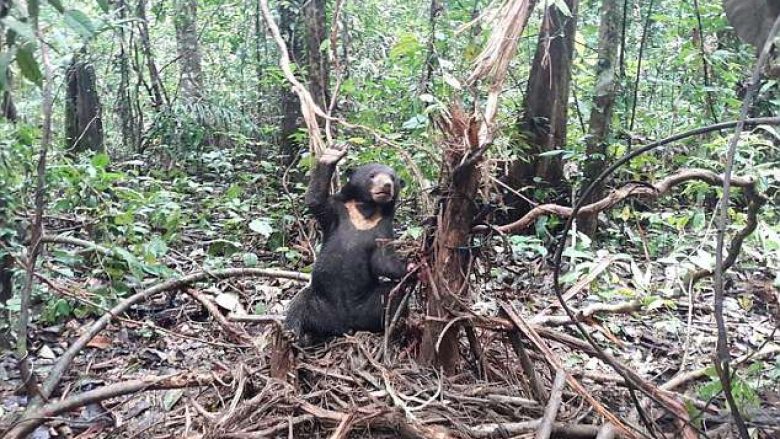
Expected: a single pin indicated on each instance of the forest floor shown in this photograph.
(355, 386)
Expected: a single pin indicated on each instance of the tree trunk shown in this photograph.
(451, 257)
(546, 106)
(83, 120)
(289, 146)
(603, 103)
(318, 65)
(123, 104)
(188, 48)
(435, 10)
(157, 90)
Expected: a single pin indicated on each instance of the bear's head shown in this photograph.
(373, 183)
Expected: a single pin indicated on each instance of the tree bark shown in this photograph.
(159, 98)
(546, 105)
(123, 104)
(289, 146)
(83, 118)
(451, 256)
(318, 65)
(188, 48)
(603, 103)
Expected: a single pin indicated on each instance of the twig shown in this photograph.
(254, 318)
(643, 41)
(588, 313)
(175, 381)
(235, 334)
(551, 411)
(520, 428)
(555, 362)
(684, 378)
(69, 240)
(529, 370)
(67, 358)
(722, 349)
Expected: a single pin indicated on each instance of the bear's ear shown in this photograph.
(348, 172)
(401, 183)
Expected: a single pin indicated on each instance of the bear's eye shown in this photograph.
(372, 175)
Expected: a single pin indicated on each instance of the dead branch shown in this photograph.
(235, 333)
(630, 190)
(686, 377)
(69, 240)
(551, 411)
(589, 312)
(555, 362)
(498, 430)
(40, 415)
(64, 362)
(267, 319)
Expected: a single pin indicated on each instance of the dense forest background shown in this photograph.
(142, 142)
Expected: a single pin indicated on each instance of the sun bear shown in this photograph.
(347, 291)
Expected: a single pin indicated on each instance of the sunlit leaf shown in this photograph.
(103, 4)
(28, 65)
(20, 28)
(79, 22)
(261, 226)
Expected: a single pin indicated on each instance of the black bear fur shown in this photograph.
(347, 292)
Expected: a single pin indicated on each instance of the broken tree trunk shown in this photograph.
(451, 257)
(83, 119)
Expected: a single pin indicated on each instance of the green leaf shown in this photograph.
(250, 259)
(261, 226)
(416, 121)
(103, 4)
(407, 45)
(28, 65)
(57, 4)
(79, 22)
(20, 28)
(100, 160)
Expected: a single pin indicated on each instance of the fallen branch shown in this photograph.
(64, 362)
(38, 416)
(518, 428)
(630, 190)
(588, 313)
(686, 377)
(69, 240)
(551, 411)
(235, 334)
(267, 319)
(556, 363)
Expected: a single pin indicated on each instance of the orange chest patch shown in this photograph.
(357, 219)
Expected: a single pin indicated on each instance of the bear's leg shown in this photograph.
(311, 318)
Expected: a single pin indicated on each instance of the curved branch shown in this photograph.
(67, 358)
(175, 381)
(629, 190)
